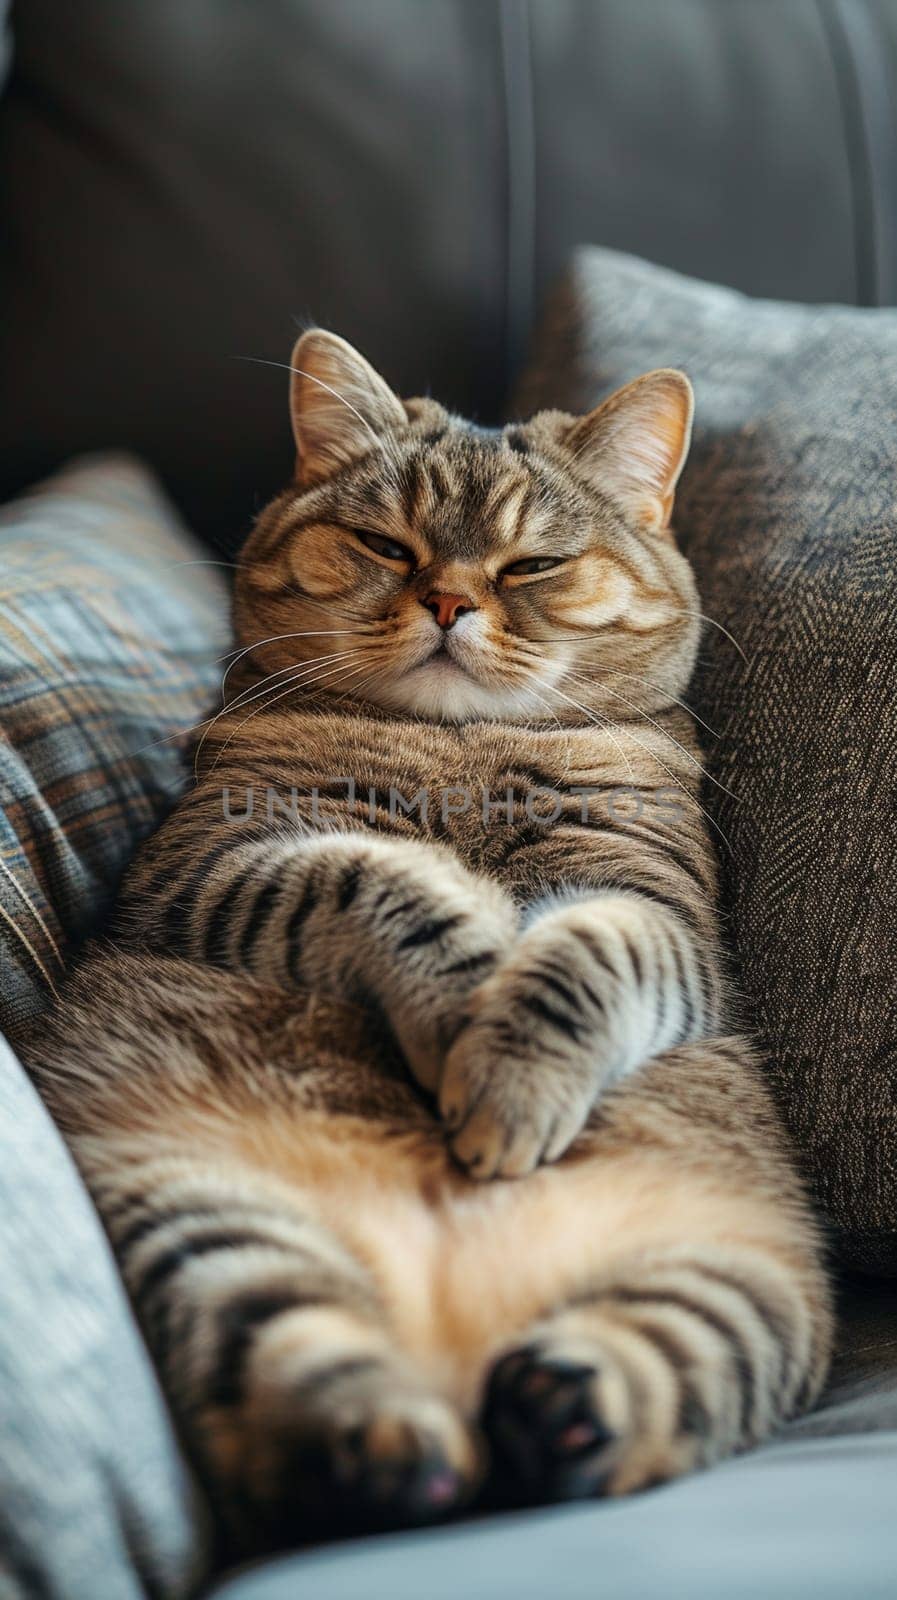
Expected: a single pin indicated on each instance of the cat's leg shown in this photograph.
(357, 916)
(697, 1317)
(669, 1365)
(276, 1352)
(595, 986)
(201, 1113)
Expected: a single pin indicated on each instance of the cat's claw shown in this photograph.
(507, 1112)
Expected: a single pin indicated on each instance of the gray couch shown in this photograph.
(178, 183)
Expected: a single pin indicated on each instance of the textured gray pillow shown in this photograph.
(94, 1497)
(788, 509)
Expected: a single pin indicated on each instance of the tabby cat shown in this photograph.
(404, 1087)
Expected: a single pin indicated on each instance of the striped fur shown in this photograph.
(323, 1027)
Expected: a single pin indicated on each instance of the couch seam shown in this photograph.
(517, 83)
(876, 111)
(849, 90)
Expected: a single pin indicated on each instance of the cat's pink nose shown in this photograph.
(447, 608)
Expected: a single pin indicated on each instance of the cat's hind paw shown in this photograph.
(542, 1415)
(566, 1420)
(366, 1453)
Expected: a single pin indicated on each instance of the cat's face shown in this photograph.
(452, 573)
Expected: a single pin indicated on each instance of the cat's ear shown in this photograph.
(634, 445)
(339, 405)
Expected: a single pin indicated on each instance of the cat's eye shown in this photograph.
(531, 564)
(389, 549)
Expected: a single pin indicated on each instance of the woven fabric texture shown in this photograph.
(96, 1502)
(788, 510)
(110, 623)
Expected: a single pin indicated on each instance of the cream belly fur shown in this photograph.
(464, 1268)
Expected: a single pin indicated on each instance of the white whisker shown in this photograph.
(664, 768)
(202, 561)
(294, 683)
(638, 677)
(599, 721)
(301, 373)
(257, 644)
(256, 691)
(357, 687)
(714, 624)
(528, 689)
(667, 735)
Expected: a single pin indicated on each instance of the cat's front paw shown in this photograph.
(419, 931)
(558, 1022)
(508, 1101)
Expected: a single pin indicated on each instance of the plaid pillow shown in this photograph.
(110, 626)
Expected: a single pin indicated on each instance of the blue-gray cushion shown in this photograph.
(95, 1502)
(110, 623)
(809, 1516)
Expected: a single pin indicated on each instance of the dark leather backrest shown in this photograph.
(181, 181)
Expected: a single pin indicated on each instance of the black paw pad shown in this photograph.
(359, 1487)
(398, 1491)
(541, 1416)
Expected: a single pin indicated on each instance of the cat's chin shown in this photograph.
(442, 690)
